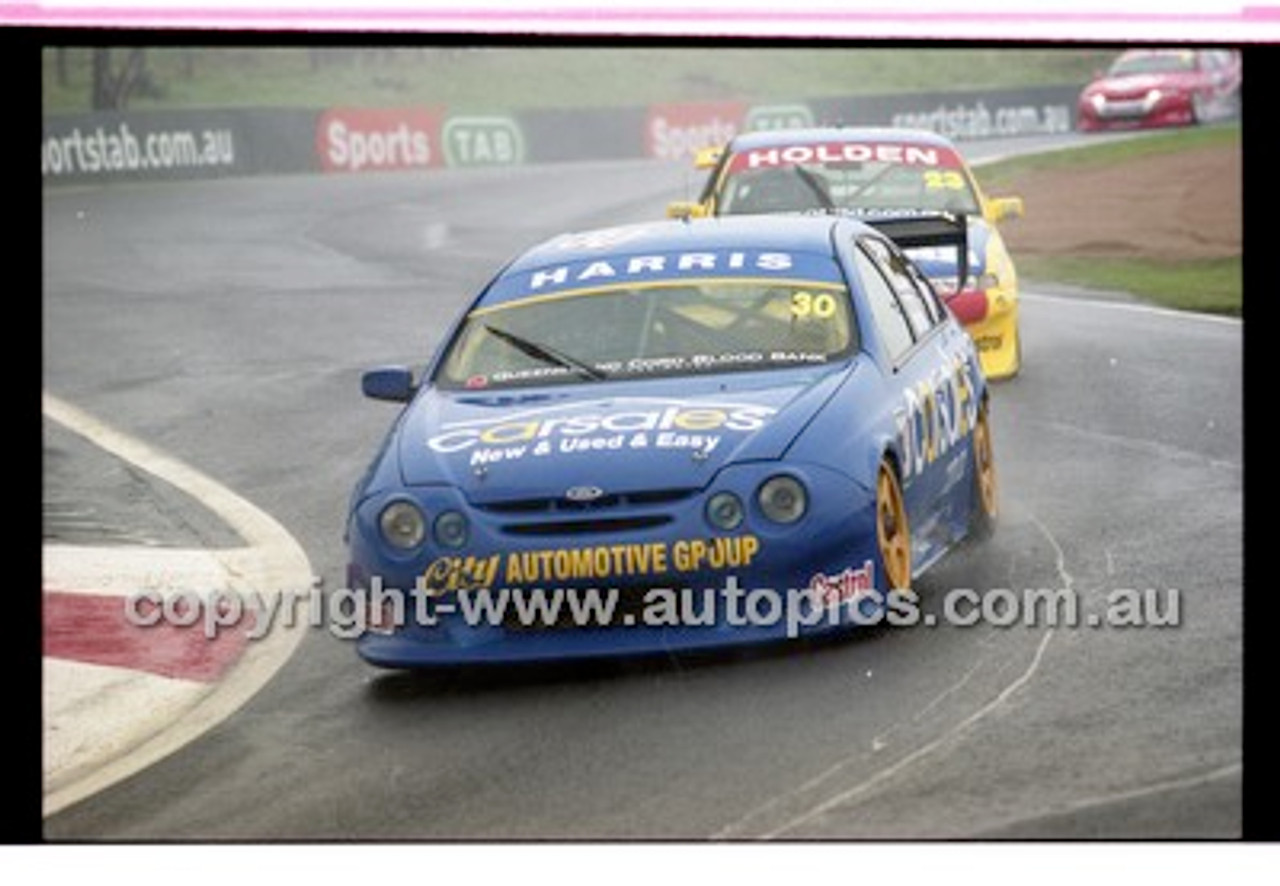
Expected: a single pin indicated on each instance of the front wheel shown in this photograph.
(1199, 110)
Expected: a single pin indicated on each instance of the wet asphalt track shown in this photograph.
(227, 323)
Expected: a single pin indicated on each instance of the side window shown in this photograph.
(887, 312)
(929, 296)
(902, 278)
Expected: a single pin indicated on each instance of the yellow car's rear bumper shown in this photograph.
(997, 339)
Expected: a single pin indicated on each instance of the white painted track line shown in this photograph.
(112, 722)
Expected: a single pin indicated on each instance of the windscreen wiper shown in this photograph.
(811, 182)
(867, 185)
(546, 353)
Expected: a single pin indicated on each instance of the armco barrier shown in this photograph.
(180, 145)
(974, 114)
(573, 135)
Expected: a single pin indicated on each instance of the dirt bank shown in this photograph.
(1181, 205)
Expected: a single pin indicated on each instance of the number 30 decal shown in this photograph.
(806, 304)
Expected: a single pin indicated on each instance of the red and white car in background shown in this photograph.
(1163, 87)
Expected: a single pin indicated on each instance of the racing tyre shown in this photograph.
(893, 534)
(986, 492)
(1199, 110)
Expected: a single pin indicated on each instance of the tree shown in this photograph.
(111, 91)
(102, 98)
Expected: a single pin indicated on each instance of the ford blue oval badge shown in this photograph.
(583, 493)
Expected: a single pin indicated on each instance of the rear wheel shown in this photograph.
(986, 505)
(892, 531)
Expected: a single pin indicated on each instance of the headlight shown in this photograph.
(450, 530)
(724, 510)
(783, 499)
(403, 525)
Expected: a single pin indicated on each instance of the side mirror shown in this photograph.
(686, 209)
(393, 383)
(1002, 208)
(706, 158)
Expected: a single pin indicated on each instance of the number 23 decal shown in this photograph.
(935, 179)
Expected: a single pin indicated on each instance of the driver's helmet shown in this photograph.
(780, 190)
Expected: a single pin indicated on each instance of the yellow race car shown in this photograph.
(876, 173)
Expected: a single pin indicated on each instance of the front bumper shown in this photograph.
(761, 582)
(1135, 113)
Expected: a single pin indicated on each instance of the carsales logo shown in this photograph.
(362, 139)
(674, 132)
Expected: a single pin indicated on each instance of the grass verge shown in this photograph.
(501, 79)
(999, 175)
(1212, 285)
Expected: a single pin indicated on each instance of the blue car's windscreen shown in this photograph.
(651, 329)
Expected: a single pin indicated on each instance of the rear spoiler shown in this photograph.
(916, 231)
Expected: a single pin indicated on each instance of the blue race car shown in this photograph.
(674, 436)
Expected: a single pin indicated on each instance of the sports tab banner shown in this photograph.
(375, 139)
(678, 131)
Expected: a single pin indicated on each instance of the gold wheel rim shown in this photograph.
(985, 464)
(892, 532)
